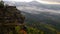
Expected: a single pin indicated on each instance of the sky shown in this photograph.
(41, 1)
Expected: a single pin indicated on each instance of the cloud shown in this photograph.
(19, 0)
(49, 1)
(10, 3)
(52, 0)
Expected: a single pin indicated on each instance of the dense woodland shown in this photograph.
(12, 22)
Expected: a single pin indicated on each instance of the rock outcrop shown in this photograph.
(9, 18)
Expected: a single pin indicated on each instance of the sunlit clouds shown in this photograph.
(48, 2)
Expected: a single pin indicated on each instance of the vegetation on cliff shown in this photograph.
(12, 22)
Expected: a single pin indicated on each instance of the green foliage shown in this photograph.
(30, 30)
(43, 28)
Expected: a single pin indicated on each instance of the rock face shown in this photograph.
(10, 14)
(9, 18)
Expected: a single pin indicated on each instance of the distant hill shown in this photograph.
(43, 18)
(36, 12)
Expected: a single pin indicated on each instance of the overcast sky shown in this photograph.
(41, 1)
(52, 0)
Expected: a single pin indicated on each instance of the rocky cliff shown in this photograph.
(9, 18)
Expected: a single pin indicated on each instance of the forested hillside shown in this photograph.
(12, 21)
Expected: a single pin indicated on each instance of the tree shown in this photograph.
(9, 18)
(1, 4)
